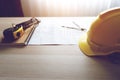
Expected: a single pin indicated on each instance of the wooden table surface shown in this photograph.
(63, 62)
(54, 62)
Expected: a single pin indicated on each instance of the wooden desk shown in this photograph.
(65, 62)
(54, 62)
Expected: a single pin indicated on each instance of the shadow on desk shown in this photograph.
(109, 64)
(4, 48)
(112, 58)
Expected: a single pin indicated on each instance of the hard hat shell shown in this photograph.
(103, 37)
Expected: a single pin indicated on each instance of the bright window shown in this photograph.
(66, 7)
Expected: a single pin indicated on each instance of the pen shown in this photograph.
(71, 27)
(79, 28)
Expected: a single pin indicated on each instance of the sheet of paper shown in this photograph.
(50, 31)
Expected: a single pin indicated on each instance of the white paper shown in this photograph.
(50, 31)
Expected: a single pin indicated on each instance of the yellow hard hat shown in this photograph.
(103, 37)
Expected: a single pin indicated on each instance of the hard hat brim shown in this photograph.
(84, 46)
(86, 49)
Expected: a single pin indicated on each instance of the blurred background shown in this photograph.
(54, 8)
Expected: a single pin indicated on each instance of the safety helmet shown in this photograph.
(103, 37)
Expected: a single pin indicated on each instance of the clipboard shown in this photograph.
(22, 41)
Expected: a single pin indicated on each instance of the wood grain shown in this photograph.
(65, 62)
